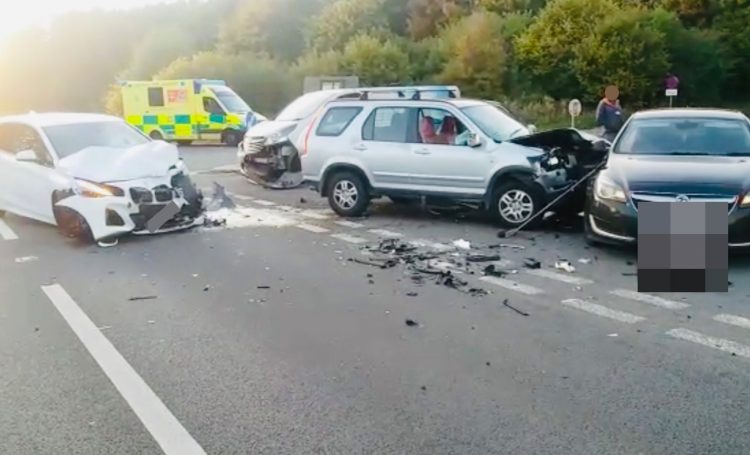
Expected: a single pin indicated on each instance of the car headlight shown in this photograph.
(745, 201)
(86, 188)
(276, 138)
(606, 189)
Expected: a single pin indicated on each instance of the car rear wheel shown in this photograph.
(231, 138)
(515, 202)
(400, 200)
(156, 135)
(184, 143)
(348, 195)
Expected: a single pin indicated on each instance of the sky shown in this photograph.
(16, 15)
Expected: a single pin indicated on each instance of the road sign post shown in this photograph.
(574, 109)
(671, 93)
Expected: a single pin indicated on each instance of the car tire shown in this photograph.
(184, 143)
(231, 138)
(506, 198)
(348, 195)
(72, 225)
(156, 135)
(399, 200)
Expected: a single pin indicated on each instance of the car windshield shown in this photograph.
(686, 136)
(304, 106)
(231, 101)
(495, 123)
(72, 138)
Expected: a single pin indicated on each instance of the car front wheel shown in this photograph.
(515, 202)
(348, 195)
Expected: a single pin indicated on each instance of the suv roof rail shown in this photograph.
(414, 93)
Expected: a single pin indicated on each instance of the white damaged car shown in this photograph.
(94, 176)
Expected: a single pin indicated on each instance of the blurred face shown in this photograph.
(612, 93)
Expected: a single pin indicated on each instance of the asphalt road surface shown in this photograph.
(261, 337)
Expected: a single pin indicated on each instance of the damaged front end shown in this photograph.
(570, 156)
(271, 161)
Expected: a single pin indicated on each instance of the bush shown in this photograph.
(342, 20)
(732, 26)
(262, 82)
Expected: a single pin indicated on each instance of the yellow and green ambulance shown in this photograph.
(187, 110)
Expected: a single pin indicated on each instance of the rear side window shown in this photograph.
(336, 120)
(387, 124)
(156, 97)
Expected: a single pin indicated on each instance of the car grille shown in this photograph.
(161, 193)
(638, 197)
(254, 145)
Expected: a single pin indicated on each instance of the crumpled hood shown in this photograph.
(111, 164)
(267, 128)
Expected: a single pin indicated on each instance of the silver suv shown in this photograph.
(460, 150)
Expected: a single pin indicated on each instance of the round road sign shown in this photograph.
(574, 108)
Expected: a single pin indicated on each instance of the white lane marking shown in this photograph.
(650, 299)
(739, 321)
(313, 215)
(559, 276)
(171, 436)
(349, 224)
(349, 238)
(512, 285)
(313, 228)
(226, 168)
(242, 197)
(264, 202)
(6, 232)
(603, 311)
(385, 233)
(23, 259)
(711, 342)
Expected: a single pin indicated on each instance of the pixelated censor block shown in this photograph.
(683, 247)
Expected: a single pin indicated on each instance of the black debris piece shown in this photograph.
(214, 222)
(557, 236)
(417, 279)
(629, 274)
(206, 288)
(412, 294)
(482, 257)
(492, 270)
(36, 329)
(380, 263)
(221, 199)
(488, 364)
(146, 297)
(689, 317)
(629, 263)
(473, 328)
(734, 354)
(264, 287)
(502, 233)
(423, 388)
(371, 281)
(730, 284)
(411, 323)
(522, 313)
(450, 280)
(531, 263)
(302, 200)
(478, 292)
(369, 275)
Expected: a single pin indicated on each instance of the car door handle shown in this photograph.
(360, 147)
(422, 151)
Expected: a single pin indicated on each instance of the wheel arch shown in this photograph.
(519, 173)
(335, 168)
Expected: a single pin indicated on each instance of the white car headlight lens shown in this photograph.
(745, 201)
(606, 189)
(94, 190)
(276, 138)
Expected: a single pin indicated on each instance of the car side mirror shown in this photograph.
(27, 156)
(532, 128)
(474, 140)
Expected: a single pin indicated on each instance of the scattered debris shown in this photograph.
(462, 244)
(424, 387)
(36, 329)
(411, 323)
(147, 297)
(522, 313)
(383, 264)
(482, 257)
(612, 335)
(511, 246)
(371, 281)
(412, 294)
(502, 233)
(531, 263)
(206, 288)
(629, 274)
(220, 199)
(23, 259)
(565, 265)
(264, 287)
(585, 261)
(629, 263)
(488, 363)
(302, 200)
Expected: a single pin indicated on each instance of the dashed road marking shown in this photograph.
(313, 215)
(349, 224)
(349, 238)
(512, 285)
(6, 232)
(601, 310)
(559, 277)
(650, 299)
(242, 197)
(313, 228)
(385, 233)
(738, 321)
(263, 202)
(711, 342)
(164, 427)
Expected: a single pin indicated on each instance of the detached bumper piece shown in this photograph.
(275, 166)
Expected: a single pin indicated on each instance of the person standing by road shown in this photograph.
(609, 115)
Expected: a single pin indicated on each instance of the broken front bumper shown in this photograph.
(274, 166)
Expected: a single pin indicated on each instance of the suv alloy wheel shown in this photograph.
(347, 194)
(514, 202)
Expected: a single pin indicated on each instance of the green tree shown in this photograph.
(341, 20)
(698, 13)
(426, 17)
(733, 28)
(261, 81)
(626, 50)
(511, 6)
(549, 45)
(476, 54)
(158, 48)
(376, 61)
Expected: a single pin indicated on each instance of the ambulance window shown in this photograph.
(211, 106)
(156, 97)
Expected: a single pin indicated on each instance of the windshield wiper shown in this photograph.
(690, 154)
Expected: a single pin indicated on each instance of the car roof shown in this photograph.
(689, 113)
(57, 118)
(457, 102)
